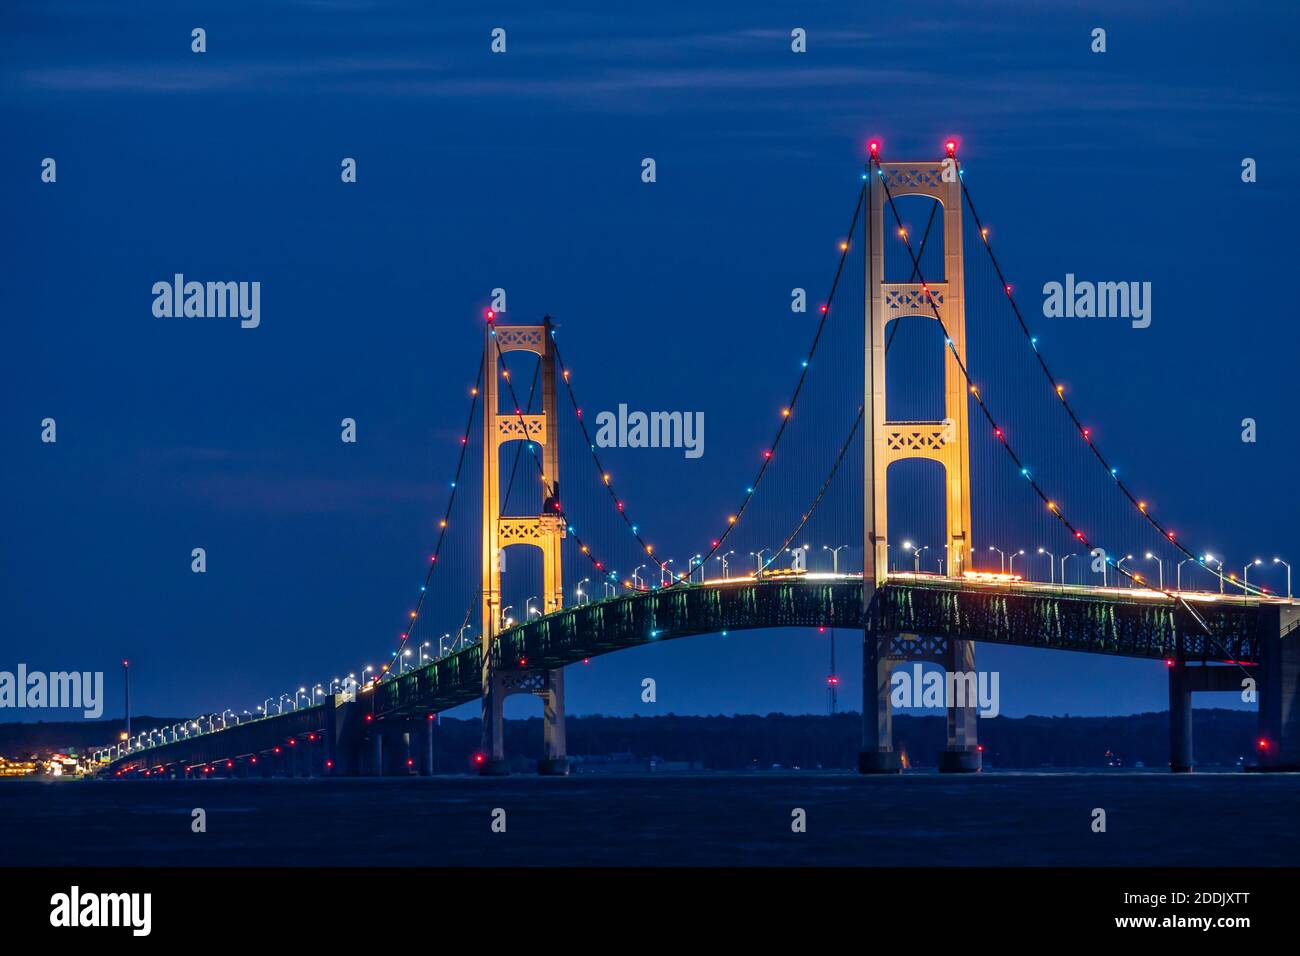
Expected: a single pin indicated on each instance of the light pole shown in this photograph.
(405, 663)
(1004, 557)
(126, 690)
(1159, 564)
(580, 592)
(280, 708)
(302, 691)
(916, 555)
(636, 581)
(1119, 566)
(723, 559)
(529, 610)
(1288, 575)
(758, 559)
(504, 616)
(1064, 558)
(696, 562)
(665, 576)
(1178, 574)
(1245, 574)
(835, 556)
(1051, 564)
(610, 589)
(1209, 558)
(1011, 561)
(422, 647)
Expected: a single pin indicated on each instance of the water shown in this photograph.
(918, 819)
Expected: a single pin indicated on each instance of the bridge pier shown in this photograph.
(428, 728)
(877, 754)
(494, 746)
(1278, 743)
(555, 763)
(1180, 719)
(376, 767)
(962, 754)
(406, 761)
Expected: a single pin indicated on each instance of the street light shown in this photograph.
(422, 647)
(1004, 557)
(1178, 574)
(1159, 564)
(665, 576)
(529, 609)
(1051, 565)
(758, 558)
(723, 559)
(696, 561)
(579, 589)
(1245, 574)
(279, 709)
(916, 555)
(636, 581)
(1119, 565)
(1065, 558)
(504, 617)
(1209, 558)
(835, 556)
(1288, 574)
(1011, 561)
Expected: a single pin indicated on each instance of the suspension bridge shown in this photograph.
(978, 432)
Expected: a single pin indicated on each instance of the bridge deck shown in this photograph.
(1129, 623)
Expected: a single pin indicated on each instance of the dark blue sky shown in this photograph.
(523, 171)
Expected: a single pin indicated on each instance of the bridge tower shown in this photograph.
(543, 530)
(889, 441)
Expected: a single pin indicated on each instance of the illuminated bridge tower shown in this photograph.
(943, 441)
(543, 530)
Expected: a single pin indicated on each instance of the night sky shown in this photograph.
(523, 171)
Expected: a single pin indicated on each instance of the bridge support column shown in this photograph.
(428, 728)
(1278, 743)
(962, 755)
(376, 767)
(877, 754)
(405, 755)
(494, 745)
(555, 763)
(1180, 719)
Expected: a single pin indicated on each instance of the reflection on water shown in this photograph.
(996, 818)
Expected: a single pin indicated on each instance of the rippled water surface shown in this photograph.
(996, 818)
